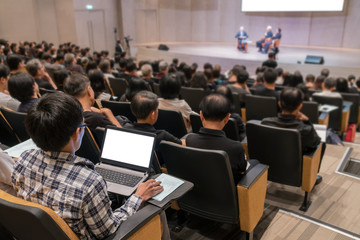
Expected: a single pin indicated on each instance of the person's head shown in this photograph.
(270, 76)
(15, 62)
(97, 81)
(279, 71)
(291, 100)
(175, 61)
(4, 77)
(208, 73)
(271, 55)
(233, 73)
(146, 71)
(90, 66)
(304, 90)
(78, 86)
(60, 76)
(163, 66)
(22, 87)
(310, 78)
(225, 91)
(241, 28)
(208, 66)
(144, 106)
(46, 57)
(295, 79)
(130, 67)
(59, 58)
(278, 30)
(54, 123)
(170, 86)
(199, 80)
(319, 82)
(136, 85)
(35, 68)
(325, 72)
(187, 71)
(215, 108)
(351, 78)
(329, 83)
(69, 59)
(342, 85)
(105, 66)
(242, 76)
(268, 28)
(122, 64)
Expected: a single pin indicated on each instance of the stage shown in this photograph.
(341, 62)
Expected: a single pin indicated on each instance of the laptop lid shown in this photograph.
(128, 148)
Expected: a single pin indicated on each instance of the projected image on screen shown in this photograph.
(292, 5)
(127, 147)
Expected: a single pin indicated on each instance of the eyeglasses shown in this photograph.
(84, 125)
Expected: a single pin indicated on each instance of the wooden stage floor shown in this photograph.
(341, 62)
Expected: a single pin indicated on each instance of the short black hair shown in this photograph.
(170, 86)
(270, 75)
(130, 66)
(60, 76)
(13, 61)
(135, 85)
(91, 65)
(208, 66)
(76, 84)
(59, 57)
(271, 55)
(21, 86)
(4, 71)
(325, 72)
(122, 63)
(143, 103)
(199, 80)
(104, 66)
(215, 107)
(52, 120)
(97, 81)
(242, 76)
(342, 85)
(291, 98)
(46, 56)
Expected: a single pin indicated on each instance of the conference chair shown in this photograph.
(237, 103)
(7, 135)
(259, 107)
(171, 121)
(99, 136)
(280, 148)
(118, 86)
(215, 195)
(119, 108)
(17, 122)
(231, 130)
(156, 89)
(354, 98)
(43, 91)
(310, 109)
(193, 97)
(24, 220)
(89, 148)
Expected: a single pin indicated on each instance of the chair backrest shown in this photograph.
(279, 148)
(171, 121)
(26, 220)
(310, 109)
(213, 196)
(354, 110)
(119, 108)
(237, 103)
(17, 122)
(7, 135)
(99, 136)
(334, 116)
(193, 97)
(231, 130)
(89, 148)
(44, 91)
(118, 85)
(259, 107)
(156, 89)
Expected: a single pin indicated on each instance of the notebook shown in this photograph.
(125, 159)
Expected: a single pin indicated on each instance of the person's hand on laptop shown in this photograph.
(148, 189)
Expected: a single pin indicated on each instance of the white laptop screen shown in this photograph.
(127, 147)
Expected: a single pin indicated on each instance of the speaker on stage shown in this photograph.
(163, 47)
(314, 59)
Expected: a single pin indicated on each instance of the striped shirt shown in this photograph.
(70, 186)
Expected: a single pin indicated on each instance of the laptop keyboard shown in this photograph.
(118, 177)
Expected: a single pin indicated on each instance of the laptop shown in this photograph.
(125, 159)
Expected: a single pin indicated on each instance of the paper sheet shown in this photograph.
(169, 184)
(18, 149)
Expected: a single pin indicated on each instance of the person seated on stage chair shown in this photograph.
(267, 44)
(269, 82)
(290, 117)
(328, 88)
(55, 177)
(144, 106)
(268, 34)
(241, 39)
(271, 61)
(214, 114)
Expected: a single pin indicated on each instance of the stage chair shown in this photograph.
(119, 108)
(354, 109)
(280, 148)
(171, 121)
(118, 86)
(21, 219)
(259, 107)
(193, 97)
(7, 135)
(17, 123)
(89, 149)
(215, 195)
(230, 129)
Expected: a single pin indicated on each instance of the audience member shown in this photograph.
(136, 85)
(240, 87)
(199, 80)
(319, 83)
(280, 76)
(59, 62)
(325, 72)
(55, 124)
(310, 81)
(328, 87)
(59, 78)
(42, 78)
(71, 65)
(15, 63)
(5, 99)
(342, 85)
(269, 82)
(106, 69)
(7, 167)
(97, 82)
(163, 69)
(23, 88)
(271, 62)
(147, 74)
(130, 71)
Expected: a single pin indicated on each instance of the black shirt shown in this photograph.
(216, 140)
(43, 84)
(95, 119)
(266, 92)
(309, 137)
(270, 64)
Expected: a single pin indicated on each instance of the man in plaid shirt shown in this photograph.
(56, 178)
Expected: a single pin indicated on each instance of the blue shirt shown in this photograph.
(240, 34)
(268, 34)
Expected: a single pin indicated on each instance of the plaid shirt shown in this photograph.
(69, 185)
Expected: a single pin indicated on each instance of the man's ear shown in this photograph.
(226, 119)
(279, 103)
(299, 107)
(201, 116)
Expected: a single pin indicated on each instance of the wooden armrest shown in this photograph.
(144, 224)
(358, 123)
(345, 118)
(246, 149)
(324, 118)
(310, 169)
(251, 197)
(243, 114)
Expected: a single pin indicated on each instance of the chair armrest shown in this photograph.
(144, 224)
(345, 117)
(251, 196)
(246, 149)
(324, 118)
(243, 114)
(310, 169)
